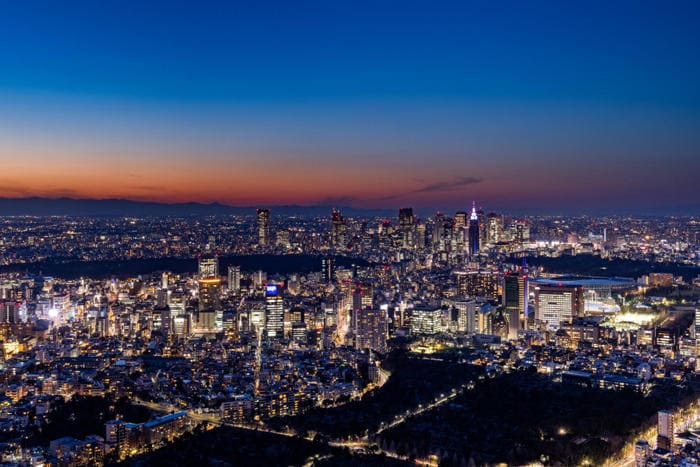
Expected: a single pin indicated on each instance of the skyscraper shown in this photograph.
(263, 227)
(327, 269)
(406, 226)
(494, 228)
(371, 329)
(234, 278)
(208, 267)
(515, 298)
(665, 439)
(473, 231)
(338, 240)
(274, 312)
(209, 304)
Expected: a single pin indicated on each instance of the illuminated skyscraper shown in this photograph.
(406, 226)
(327, 269)
(209, 304)
(362, 296)
(338, 240)
(274, 312)
(515, 298)
(665, 439)
(460, 220)
(459, 231)
(473, 231)
(371, 329)
(520, 232)
(263, 227)
(234, 278)
(420, 235)
(208, 267)
(494, 228)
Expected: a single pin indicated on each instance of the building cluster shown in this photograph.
(246, 345)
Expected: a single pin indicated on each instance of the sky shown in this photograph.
(546, 105)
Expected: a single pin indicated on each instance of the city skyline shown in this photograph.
(425, 106)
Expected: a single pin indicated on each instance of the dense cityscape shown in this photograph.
(299, 327)
(367, 233)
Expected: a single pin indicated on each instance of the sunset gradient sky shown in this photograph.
(378, 104)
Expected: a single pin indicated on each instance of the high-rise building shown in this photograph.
(371, 330)
(420, 235)
(479, 283)
(338, 227)
(274, 311)
(665, 440)
(209, 304)
(473, 231)
(466, 314)
(362, 296)
(515, 298)
(407, 226)
(263, 227)
(282, 238)
(460, 220)
(520, 232)
(494, 228)
(209, 289)
(234, 278)
(208, 267)
(442, 228)
(556, 304)
(327, 269)
(425, 319)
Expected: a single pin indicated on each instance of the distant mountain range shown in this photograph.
(37, 206)
(126, 208)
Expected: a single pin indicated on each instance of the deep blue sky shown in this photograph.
(516, 104)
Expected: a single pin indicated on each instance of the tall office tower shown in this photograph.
(338, 240)
(234, 278)
(481, 217)
(327, 269)
(460, 220)
(555, 304)
(164, 280)
(664, 440)
(466, 314)
(209, 304)
(420, 235)
(371, 330)
(515, 297)
(208, 267)
(460, 230)
(362, 297)
(520, 232)
(438, 230)
(406, 226)
(263, 227)
(494, 228)
(473, 231)
(163, 297)
(274, 312)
